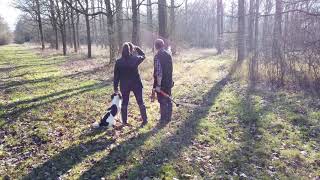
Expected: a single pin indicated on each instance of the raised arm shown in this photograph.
(141, 56)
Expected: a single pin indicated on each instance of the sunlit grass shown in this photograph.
(222, 130)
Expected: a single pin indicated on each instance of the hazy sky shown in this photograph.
(9, 13)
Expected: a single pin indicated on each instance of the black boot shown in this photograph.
(124, 115)
(143, 113)
(163, 113)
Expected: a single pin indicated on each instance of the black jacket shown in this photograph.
(126, 71)
(165, 60)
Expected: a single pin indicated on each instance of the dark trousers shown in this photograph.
(137, 91)
(165, 106)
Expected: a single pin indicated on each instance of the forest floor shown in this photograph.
(226, 128)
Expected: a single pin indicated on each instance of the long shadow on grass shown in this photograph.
(37, 99)
(9, 116)
(13, 84)
(168, 149)
(68, 158)
(59, 164)
(248, 157)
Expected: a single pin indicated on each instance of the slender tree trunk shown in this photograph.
(88, 30)
(276, 46)
(63, 27)
(256, 28)
(162, 8)
(77, 27)
(110, 31)
(69, 33)
(54, 24)
(94, 30)
(214, 25)
(219, 26)
(149, 15)
(135, 23)
(172, 27)
(40, 24)
(172, 20)
(251, 26)
(73, 31)
(254, 60)
(77, 31)
(119, 17)
(241, 31)
(101, 34)
(88, 35)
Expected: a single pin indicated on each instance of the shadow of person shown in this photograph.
(64, 161)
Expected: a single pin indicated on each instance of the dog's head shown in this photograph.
(116, 99)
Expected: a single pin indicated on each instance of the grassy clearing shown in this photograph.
(227, 128)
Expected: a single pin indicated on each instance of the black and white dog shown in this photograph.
(109, 119)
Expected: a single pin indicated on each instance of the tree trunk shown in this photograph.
(254, 60)
(94, 30)
(54, 24)
(172, 27)
(265, 31)
(241, 31)
(135, 23)
(119, 17)
(40, 25)
(73, 31)
(63, 29)
(77, 28)
(110, 31)
(88, 35)
(276, 45)
(101, 33)
(162, 8)
(219, 27)
(250, 26)
(69, 33)
(149, 15)
(88, 30)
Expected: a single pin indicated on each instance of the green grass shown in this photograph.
(226, 128)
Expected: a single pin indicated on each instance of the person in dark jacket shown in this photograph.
(127, 74)
(163, 79)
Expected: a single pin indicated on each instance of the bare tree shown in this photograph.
(162, 13)
(54, 23)
(251, 26)
(149, 15)
(241, 31)
(38, 12)
(219, 26)
(135, 23)
(74, 35)
(111, 37)
(276, 46)
(119, 17)
(61, 16)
